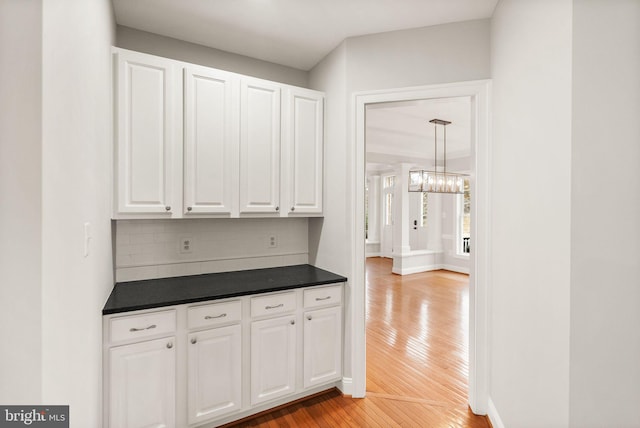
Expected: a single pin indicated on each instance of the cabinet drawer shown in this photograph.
(273, 304)
(324, 296)
(141, 326)
(214, 314)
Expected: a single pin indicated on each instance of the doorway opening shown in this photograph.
(477, 94)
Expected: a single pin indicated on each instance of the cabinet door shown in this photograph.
(273, 358)
(322, 346)
(259, 147)
(303, 152)
(214, 367)
(148, 124)
(211, 141)
(142, 379)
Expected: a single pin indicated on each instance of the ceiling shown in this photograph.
(400, 132)
(295, 33)
(299, 33)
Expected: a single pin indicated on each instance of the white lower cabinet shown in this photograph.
(142, 382)
(273, 358)
(214, 363)
(322, 346)
(207, 364)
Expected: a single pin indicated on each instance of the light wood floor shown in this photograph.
(417, 359)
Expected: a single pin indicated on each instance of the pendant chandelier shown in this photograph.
(437, 181)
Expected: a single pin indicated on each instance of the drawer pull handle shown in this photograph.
(132, 329)
(318, 299)
(210, 317)
(274, 306)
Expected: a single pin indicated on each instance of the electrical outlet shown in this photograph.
(186, 245)
(273, 241)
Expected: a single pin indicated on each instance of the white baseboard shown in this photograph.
(417, 269)
(346, 386)
(493, 415)
(454, 268)
(427, 268)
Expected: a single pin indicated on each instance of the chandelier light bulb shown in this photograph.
(437, 181)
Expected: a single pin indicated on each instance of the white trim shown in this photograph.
(492, 414)
(454, 268)
(462, 256)
(429, 268)
(346, 386)
(416, 269)
(478, 91)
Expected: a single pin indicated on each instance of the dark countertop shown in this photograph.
(156, 293)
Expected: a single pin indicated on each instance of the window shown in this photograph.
(388, 199)
(366, 210)
(424, 206)
(464, 220)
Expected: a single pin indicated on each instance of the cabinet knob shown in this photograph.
(309, 317)
(170, 345)
(168, 208)
(277, 208)
(293, 322)
(189, 208)
(194, 341)
(293, 208)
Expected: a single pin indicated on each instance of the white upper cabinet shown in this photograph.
(259, 147)
(303, 151)
(148, 126)
(193, 141)
(210, 141)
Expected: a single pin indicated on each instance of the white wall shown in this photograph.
(530, 251)
(76, 165)
(605, 202)
(438, 54)
(142, 41)
(151, 248)
(329, 244)
(20, 199)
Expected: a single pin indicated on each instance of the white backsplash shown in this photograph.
(146, 249)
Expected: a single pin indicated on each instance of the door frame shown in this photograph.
(479, 278)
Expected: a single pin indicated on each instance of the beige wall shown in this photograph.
(142, 41)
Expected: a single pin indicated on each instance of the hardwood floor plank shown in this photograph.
(417, 359)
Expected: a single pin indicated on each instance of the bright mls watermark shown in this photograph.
(34, 416)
